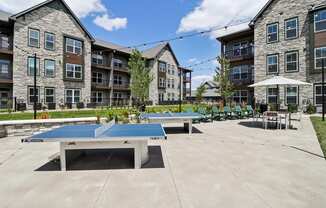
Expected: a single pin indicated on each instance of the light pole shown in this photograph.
(34, 96)
(180, 90)
(323, 87)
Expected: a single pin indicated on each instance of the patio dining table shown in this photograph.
(276, 117)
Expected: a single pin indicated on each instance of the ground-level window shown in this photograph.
(240, 96)
(49, 94)
(161, 97)
(97, 97)
(272, 94)
(72, 95)
(320, 55)
(292, 61)
(31, 92)
(292, 95)
(319, 94)
(117, 95)
(272, 64)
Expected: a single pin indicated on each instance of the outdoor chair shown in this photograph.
(228, 113)
(250, 111)
(270, 117)
(205, 116)
(238, 112)
(217, 114)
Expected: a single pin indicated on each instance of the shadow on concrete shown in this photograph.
(306, 151)
(107, 159)
(181, 130)
(259, 125)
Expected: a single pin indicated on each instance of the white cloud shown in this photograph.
(199, 79)
(110, 24)
(212, 13)
(82, 8)
(192, 60)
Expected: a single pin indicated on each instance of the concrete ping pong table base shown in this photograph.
(140, 147)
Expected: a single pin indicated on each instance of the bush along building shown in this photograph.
(73, 69)
(288, 40)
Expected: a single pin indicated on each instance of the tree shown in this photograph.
(222, 76)
(140, 77)
(200, 92)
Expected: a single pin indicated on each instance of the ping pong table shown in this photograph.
(185, 118)
(111, 135)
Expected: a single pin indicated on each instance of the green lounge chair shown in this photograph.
(205, 116)
(217, 114)
(190, 110)
(238, 112)
(250, 111)
(228, 113)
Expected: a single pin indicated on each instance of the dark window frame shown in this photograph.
(45, 94)
(285, 61)
(39, 66)
(29, 95)
(297, 28)
(45, 41)
(28, 37)
(54, 70)
(286, 95)
(278, 32)
(278, 64)
(315, 31)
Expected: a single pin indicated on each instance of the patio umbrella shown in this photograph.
(277, 81)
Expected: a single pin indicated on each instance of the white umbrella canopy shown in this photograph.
(278, 80)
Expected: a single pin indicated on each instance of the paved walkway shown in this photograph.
(229, 164)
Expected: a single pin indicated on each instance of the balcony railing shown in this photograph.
(242, 79)
(100, 83)
(240, 53)
(121, 86)
(186, 79)
(5, 43)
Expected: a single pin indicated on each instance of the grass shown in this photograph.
(103, 112)
(320, 128)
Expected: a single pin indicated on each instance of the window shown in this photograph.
(272, 64)
(4, 41)
(169, 85)
(172, 83)
(49, 68)
(172, 70)
(72, 95)
(161, 97)
(240, 96)
(33, 37)
(292, 95)
(161, 82)
(162, 66)
(291, 28)
(31, 95)
(97, 77)
(73, 71)
(74, 46)
(236, 73)
(117, 63)
(49, 41)
(30, 67)
(117, 95)
(49, 95)
(319, 94)
(169, 68)
(272, 94)
(97, 97)
(97, 59)
(117, 80)
(240, 49)
(320, 55)
(292, 61)
(272, 33)
(4, 67)
(320, 20)
(172, 96)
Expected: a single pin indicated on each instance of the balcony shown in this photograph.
(187, 79)
(121, 86)
(123, 69)
(6, 44)
(240, 54)
(242, 79)
(100, 84)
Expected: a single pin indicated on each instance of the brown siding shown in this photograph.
(320, 39)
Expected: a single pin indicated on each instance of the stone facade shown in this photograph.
(56, 19)
(278, 12)
(170, 93)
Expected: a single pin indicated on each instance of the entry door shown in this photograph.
(4, 98)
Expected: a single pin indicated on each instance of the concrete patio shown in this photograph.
(224, 164)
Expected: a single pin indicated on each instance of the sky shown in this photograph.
(132, 22)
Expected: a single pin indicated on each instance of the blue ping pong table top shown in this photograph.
(169, 115)
(115, 131)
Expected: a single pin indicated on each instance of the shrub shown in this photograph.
(311, 109)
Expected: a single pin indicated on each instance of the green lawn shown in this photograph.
(103, 112)
(320, 128)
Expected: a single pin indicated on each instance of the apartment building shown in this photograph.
(73, 69)
(167, 85)
(63, 59)
(238, 48)
(289, 40)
